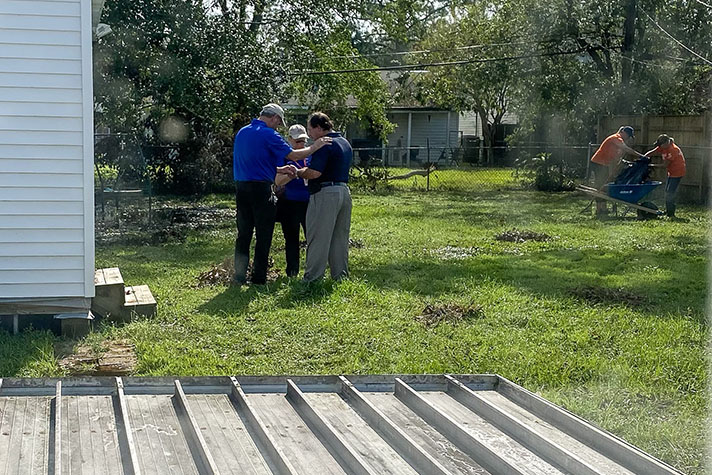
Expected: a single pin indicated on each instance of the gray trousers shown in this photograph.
(328, 227)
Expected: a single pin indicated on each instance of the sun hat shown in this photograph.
(298, 132)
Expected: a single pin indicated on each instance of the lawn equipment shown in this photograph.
(629, 188)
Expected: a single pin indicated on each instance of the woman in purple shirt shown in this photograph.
(292, 204)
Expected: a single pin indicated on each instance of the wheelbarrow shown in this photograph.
(628, 195)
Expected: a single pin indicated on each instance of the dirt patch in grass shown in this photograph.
(597, 295)
(434, 315)
(454, 253)
(517, 235)
(111, 358)
(169, 224)
(223, 273)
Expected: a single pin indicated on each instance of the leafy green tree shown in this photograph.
(482, 31)
(189, 73)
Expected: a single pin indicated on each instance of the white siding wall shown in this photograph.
(46, 149)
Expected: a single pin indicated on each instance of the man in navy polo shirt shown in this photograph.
(329, 210)
(258, 155)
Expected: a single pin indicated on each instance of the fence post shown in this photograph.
(588, 164)
(427, 174)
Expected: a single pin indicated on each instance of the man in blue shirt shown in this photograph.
(329, 210)
(258, 155)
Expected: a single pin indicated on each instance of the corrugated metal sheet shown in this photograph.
(428, 424)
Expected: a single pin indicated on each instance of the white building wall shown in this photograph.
(46, 149)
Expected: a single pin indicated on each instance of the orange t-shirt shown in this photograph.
(674, 158)
(609, 150)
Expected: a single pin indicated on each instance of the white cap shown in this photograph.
(298, 132)
(272, 109)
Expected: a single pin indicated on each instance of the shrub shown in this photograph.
(545, 172)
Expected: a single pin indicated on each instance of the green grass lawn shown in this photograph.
(607, 318)
(462, 179)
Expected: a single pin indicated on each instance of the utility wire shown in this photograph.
(676, 40)
(431, 65)
(703, 3)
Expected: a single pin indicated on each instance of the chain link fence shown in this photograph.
(555, 167)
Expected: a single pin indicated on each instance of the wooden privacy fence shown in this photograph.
(692, 133)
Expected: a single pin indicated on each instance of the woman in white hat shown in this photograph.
(293, 200)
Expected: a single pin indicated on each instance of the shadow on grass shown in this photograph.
(655, 282)
(288, 292)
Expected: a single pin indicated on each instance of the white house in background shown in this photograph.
(46, 155)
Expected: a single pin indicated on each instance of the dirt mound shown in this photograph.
(516, 235)
(597, 295)
(433, 315)
(111, 358)
(223, 273)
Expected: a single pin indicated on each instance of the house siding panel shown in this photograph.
(46, 148)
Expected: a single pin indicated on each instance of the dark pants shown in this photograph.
(671, 195)
(255, 212)
(292, 214)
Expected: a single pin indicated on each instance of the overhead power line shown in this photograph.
(676, 40)
(432, 65)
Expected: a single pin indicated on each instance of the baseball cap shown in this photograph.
(273, 109)
(628, 130)
(298, 132)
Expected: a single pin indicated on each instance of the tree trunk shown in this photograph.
(631, 11)
(488, 135)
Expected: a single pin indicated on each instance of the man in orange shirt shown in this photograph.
(675, 161)
(607, 157)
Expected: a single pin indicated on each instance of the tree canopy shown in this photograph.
(190, 72)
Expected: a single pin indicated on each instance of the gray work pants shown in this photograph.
(328, 226)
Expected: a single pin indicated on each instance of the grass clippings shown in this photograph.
(434, 315)
(223, 273)
(516, 235)
(111, 358)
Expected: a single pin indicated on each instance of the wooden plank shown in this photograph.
(227, 436)
(480, 453)
(533, 440)
(272, 451)
(126, 439)
(338, 447)
(396, 438)
(194, 436)
(604, 442)
(58, 429)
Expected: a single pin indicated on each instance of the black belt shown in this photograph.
(333, 183)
